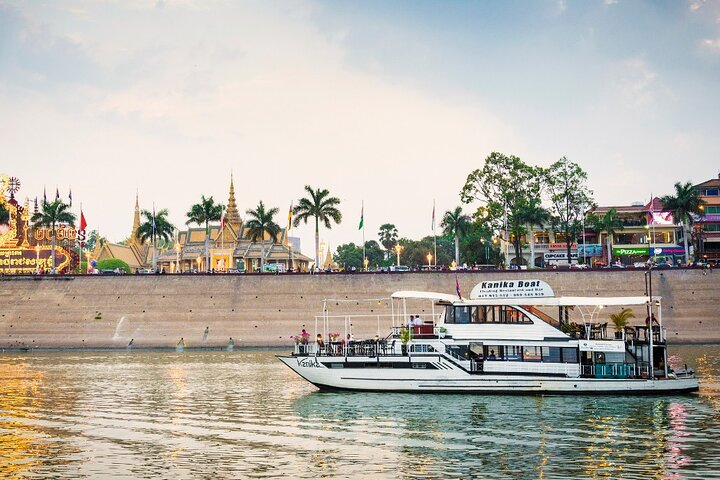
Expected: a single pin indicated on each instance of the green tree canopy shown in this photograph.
(608, 223)
(261, 222)
(503, 185)
(566, 184)
(163, 229)
(684, 204)
(318, 205)
(455, 224)
(388, 235)
(112, 264)
(50, 215)
(351, 255)
(202, 214)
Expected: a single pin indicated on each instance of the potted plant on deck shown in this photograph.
(404, 339)
(620, 320)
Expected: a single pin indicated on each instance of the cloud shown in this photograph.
(712, 44)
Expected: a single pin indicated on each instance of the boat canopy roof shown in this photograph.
(535, 301)
(445, 297)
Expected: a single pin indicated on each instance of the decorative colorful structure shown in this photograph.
(23, 251)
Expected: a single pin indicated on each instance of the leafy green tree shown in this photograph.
(349, 256)
(261, 222)
(202, 214)
(388, 235)
(155, 229)
(50, 215)
(93, 239)
(320, 206)
(4, 215)
(684, 204)
(531, 213)
(374, 253)
(566, 184)
(608, 223)
(455, 224)
(113, 264)
(414, 252)
(502, 185)
(477, 245)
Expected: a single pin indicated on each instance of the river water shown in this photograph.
(242, 414)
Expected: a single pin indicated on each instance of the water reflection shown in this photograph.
(230, 414)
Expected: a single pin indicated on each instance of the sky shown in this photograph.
(388, 103)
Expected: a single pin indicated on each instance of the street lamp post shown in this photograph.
(37, 259)
(398, 249)
(177, 258)
(429, 257)
(366, 261)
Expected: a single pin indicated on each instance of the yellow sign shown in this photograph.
(28, 260)
(63, 233)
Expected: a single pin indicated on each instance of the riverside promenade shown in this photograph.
(256, 310)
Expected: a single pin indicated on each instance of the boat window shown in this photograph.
(493, 352)
(513, 353)
(551, 354)
(462, 314)
(449, 314)
(569, 355)
(422, 348)
(532, 354)
(493, 314)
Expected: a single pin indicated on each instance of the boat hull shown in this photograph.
(456, 380)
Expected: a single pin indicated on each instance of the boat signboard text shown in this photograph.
(512, 289)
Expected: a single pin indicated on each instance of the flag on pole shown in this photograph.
(57, 193)
(153, 220)
(83, 223)
(44, 194)
(457, 287)
(362, 216)
(651, 210)
(222, 221)
(290, 217)
(36, 205)
(70, 197)
(433, 217)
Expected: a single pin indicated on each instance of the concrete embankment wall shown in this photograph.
(265, 310)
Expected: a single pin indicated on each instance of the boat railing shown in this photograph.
(616, 370)
(361, 348)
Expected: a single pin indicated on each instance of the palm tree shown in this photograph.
(388, 235)
(49, 216)
(620, 319)
(684, 204)
(608, 223)
(261, 222)
(533, 214)
(455, 223)
(155, 228)
(4, 215)
(203, 213)
(321, 206)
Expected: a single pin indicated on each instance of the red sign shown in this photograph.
(561, 246)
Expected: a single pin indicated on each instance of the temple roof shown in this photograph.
(232, 216)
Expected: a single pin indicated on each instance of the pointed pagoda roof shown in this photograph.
(232, 216)
(136, 222)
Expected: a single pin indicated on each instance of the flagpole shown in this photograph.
(652, 225)
(362, 215)
(434, 236)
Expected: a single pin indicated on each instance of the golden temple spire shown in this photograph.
(232, 216)
(136, 219)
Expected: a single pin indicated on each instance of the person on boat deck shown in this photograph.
(418, 320)
(411, 321)
(492, 355)
(654, 320)
(319, 340)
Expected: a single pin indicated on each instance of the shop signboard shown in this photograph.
(559, 256)
(629, 251)
(668, 251)
(561, 246)
(590, 249)
(512, 289)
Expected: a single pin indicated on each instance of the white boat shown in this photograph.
(501, 340)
